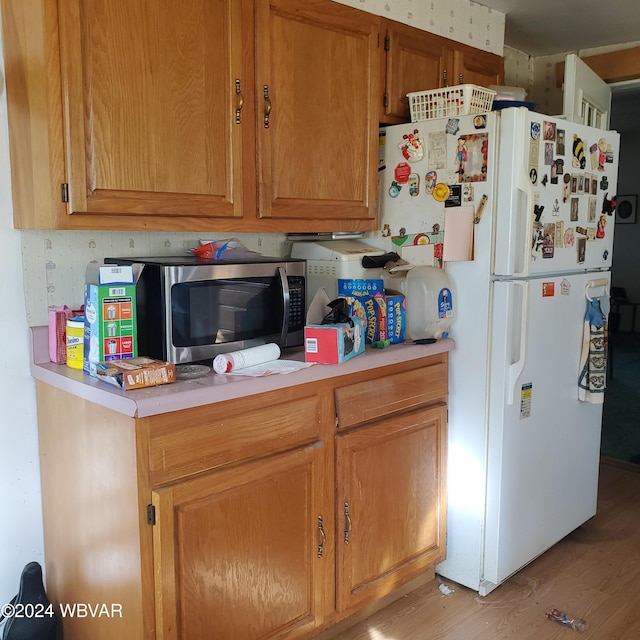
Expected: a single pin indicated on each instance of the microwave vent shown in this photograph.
(317, 268)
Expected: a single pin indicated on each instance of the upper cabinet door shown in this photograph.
(317, 114)
(415, 61)
(150, 93)
(473, 66)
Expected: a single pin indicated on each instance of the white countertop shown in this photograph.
(213, 387)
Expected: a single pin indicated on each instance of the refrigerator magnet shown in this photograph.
(548, 240)
(582, 249)
(402, 173)
(430, 181)
(549, 130)
(534, 155)
(569, 237)
(608, 206)
(602, 223)
(579, 158)
(412, 147)
(537, 240)
(441, 192)
(559, 241)
(455, 196)
(414, 185)
(560, 137)
(453, 126)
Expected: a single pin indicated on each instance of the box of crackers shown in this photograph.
(136, 373)
(366, 300)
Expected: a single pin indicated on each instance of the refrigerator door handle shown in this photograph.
(594, 284)
(516, 368)
(515, 208)
(523, 215)
(524, 227)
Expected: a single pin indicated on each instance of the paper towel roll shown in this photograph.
(226, 362)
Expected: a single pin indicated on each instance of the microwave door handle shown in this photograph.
(285, 304)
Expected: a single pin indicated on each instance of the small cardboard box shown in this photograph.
(135, 373)
(110, 330)
(333, 343)
(396, 317)
(367, 301)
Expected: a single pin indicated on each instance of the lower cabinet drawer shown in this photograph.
(186, 443)
(374, 399)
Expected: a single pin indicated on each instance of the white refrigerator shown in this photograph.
(523, 448)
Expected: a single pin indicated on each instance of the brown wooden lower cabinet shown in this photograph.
(252, 519)
(390, 485)
(236, 551)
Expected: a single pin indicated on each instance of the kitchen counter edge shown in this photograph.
(212, 388)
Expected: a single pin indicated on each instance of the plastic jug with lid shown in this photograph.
(429, 302)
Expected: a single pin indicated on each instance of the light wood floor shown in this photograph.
(594, 574)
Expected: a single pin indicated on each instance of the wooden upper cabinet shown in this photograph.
(317, 135)
(128, 115)
(473, 66)
(148, 98)
(414, 60)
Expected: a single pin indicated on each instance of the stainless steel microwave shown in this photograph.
(191, 309)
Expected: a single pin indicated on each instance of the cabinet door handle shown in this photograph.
(347, 523)
(267, 106)
(445, 82)
(323, 537)
(460, 79)
(239, 102)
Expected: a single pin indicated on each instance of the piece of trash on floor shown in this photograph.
(445, 590)
(563, 618)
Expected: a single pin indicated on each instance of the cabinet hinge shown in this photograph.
(151, 514)
(387, 43)
(65, 192)
(385, 100)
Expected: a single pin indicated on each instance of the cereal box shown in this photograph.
(366, 300)
(396, 317)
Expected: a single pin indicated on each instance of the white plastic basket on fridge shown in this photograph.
(450, 101)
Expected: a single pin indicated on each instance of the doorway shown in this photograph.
(621, 416)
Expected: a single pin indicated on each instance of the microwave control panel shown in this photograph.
(297, 305)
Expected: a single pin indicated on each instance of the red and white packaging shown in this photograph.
(58, 332)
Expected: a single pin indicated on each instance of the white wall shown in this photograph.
(460, 20)
(20, 517)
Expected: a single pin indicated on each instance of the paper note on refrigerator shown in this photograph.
(458, 234)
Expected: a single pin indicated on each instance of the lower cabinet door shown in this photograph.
(239, 553)
(391, 503)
